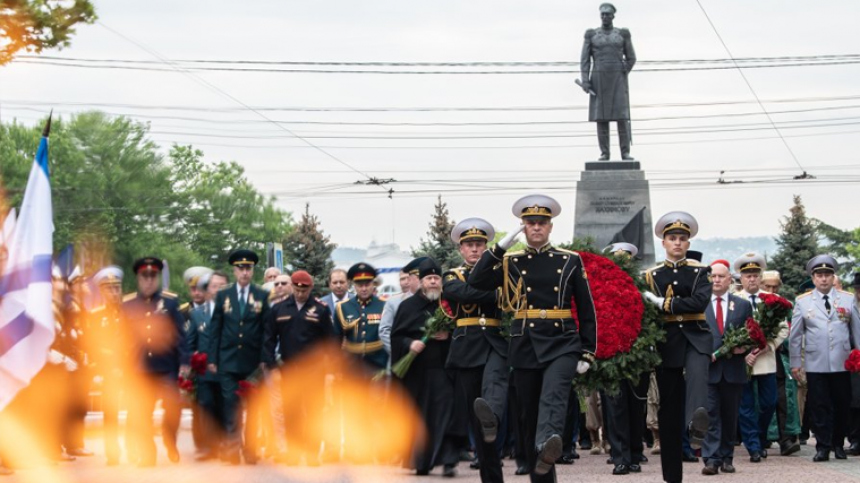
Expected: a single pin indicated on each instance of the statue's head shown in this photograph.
(607, 13)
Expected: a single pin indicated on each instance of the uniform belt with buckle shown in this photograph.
(543, 314)
(683, 317)
(362, 347)
(480, 321)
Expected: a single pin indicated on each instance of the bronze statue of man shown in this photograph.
(607, 58)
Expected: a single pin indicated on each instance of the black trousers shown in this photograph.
(141, 406)
(625, 414)
(233, 424)
(490, 382)
(571, 422)
(208, 415)
(680, 395)
(515, 423)
(829, 399)
(542, 396)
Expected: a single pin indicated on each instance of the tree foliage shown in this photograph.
(35, 25)
(844, 245)
(796, 245)
(308, 248)
(117, 198)
(438, 244)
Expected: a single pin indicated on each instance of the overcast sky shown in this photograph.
(823, 136)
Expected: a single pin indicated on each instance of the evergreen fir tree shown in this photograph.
(308, 248)
(797, 244)
(438, 244)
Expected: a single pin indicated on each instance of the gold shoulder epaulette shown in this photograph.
(271, 295)
(129, 296)
(185, 306)
(695, 263)
(844, 291)
(565, 250)
(804, 294)
(168, 294)
(515, 254)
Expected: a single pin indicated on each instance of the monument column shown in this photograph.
(608, 196)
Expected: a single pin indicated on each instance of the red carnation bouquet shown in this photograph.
(852, 364)
(750, 335)
(187, 381)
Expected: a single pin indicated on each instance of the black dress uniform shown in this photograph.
(158, 345)
(237, 328)
(357, 322)
(546, 341)
(428, 382)
(682, 377)
(290, 330)
(478, 352)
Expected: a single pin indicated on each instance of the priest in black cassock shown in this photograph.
(427, 381)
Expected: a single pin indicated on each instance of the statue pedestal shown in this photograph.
(609, 194)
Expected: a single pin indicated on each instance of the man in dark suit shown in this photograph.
(237, 348)
(680, 289)
(727, 375)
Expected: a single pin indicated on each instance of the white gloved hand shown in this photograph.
(71, 365)
(658, 301)
(582, 367)
(511, 238)
(55, 357)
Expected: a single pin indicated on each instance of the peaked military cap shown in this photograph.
(624, 247)
(412, 267)
(536, 205)
(822, 263)
(676, 222)
(192, 275)
(750, 262)
(429, 267)
(110, 275)
(607, 7)
(472, 229)
(361, 272)
(148, 264)
(243, 256)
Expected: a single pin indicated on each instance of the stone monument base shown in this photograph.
(609, 195)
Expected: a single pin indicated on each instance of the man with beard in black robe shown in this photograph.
(427, 381)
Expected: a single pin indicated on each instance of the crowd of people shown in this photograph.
(493, 346)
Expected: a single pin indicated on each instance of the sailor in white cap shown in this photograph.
(824, 328)
(681, 290)
(479, 351)
(756, 412)
(546, 347)
(623, 247)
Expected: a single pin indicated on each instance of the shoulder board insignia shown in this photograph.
(695, 263)
(843, 291)
(168, 295)
(564, 250)
(129, 296)
(805, 294)
(450, 277)
(185, 306)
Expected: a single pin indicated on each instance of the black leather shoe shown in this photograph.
(585, 444)
(565, 459)
(790, 447)
(522, 470)
(574, 454)
(727, 468)
(821, 455)
(548, 452)
(488, 420)
(689, 458)
(711, 470)
(839, 453)
(642, 458)
(449, 471)
(698, 427)
(755, 457)
(854, 449)
(635, 468)
(609, 461)
(620, 470)
(475, 464)
(764, 454)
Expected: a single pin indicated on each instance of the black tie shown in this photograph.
(752, 301)
(827, 304)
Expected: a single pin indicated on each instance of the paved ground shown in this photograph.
(796, 469)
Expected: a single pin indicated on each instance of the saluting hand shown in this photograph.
(511, 238)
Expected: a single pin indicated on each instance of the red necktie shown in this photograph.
(720, 314)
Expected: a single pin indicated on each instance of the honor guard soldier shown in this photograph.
(478, 350)
(158, 341)
(191, 277)
(357, 319)
(105, 346)
(680, 289)
(237, 326)
(547, 346)
(824, 328)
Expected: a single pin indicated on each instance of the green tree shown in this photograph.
(308, 248)
(796, 245)
(117, 198)
(842, 244)
(438, 244)
(35, 25)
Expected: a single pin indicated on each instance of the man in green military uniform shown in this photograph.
(237, 348)
(357, 319)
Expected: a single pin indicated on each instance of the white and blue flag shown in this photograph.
(26, 314)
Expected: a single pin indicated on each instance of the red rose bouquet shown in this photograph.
(852, 364)
(771, 312)
(750, 335)
(187, 380)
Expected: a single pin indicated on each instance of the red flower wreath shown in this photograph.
(617, 303)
